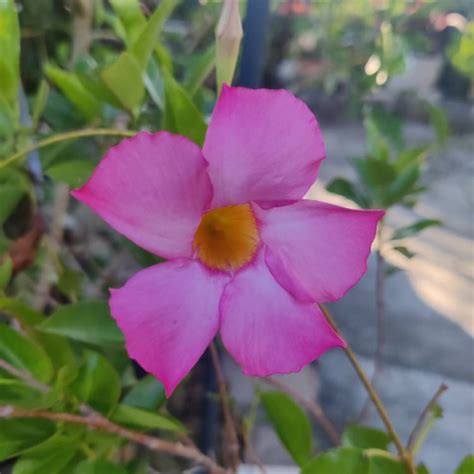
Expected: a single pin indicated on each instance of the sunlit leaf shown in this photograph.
(365, 437)
(466, 466)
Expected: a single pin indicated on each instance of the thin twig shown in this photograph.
(23, 375)
(99, 423)
(312, 406)
(380, 314)
(422, 420)
(404, 454)
(61, 137)
(229, 425)
(96, 421)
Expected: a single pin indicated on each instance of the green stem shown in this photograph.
(61, 137)
(404, 454)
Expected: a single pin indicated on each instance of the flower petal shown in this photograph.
(267, 330)
(169, 313)
(261, 145)
(317, 251)
(152, 188)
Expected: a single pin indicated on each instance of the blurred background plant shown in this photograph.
(76, 76)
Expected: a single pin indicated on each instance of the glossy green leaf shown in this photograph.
(374, 173)
(97, 384)
(383, 462)
(145, 43)
(131, 17)
(17, 435)
(19, 310)
(13, 187)
(146, 393)
(9, 51)
(72, 172)
(40, 102)
(74, 90)
(466, 466)
(347, 189)
(413, 229)
(291, 424)
(24, 354)
(181, 115)
(145, 419)
(6, 270)
(49, 457)
(98, 467)
(200, 69)
(415, 155)
(85, 321)
(124, 78)
(338, 461)
(365, 437)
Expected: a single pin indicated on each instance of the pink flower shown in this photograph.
(247, 256)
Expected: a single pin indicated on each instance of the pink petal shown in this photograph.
(261, 145)
(169, 314)
(317, 251)
(268, 331)
(152, 188)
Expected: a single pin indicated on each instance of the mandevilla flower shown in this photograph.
(247, 256)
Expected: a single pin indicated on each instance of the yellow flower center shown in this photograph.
(227, 237)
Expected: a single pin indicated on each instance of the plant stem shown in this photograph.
(404, 454)
(312, 406)
(417, 432)
(380, 315)
(24, 376)
(229, 425)
(99, 423)
(61, 137)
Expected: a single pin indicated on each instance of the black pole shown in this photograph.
(254, 43)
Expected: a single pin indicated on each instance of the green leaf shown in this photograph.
(181, 115)
(404, 251)
(291, 424)
(97, 384)
(19, 310)
(422, 469)
(144, 45)
(124, 78)
(383, 462)
(374, 173)
(402, 186)
(40, 102)
(347, 189)
(69, 282)
(16, 393)
(145, 419)
(439, 122)
(13, 186)
(50, 457)
(6, 271)
(17, 435)
(381, 122)
(131, 17)
(199, 70)
(85, 321)
(10, 52)
(98, 467)
(72, 172)
(365, 437)
(146, 393)
(74, 90)
(466, 466)
(461, 51)
(338, 461)
(24, 354)
(413, 229)
(415, 155)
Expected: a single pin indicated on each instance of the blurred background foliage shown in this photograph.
(113, 67)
